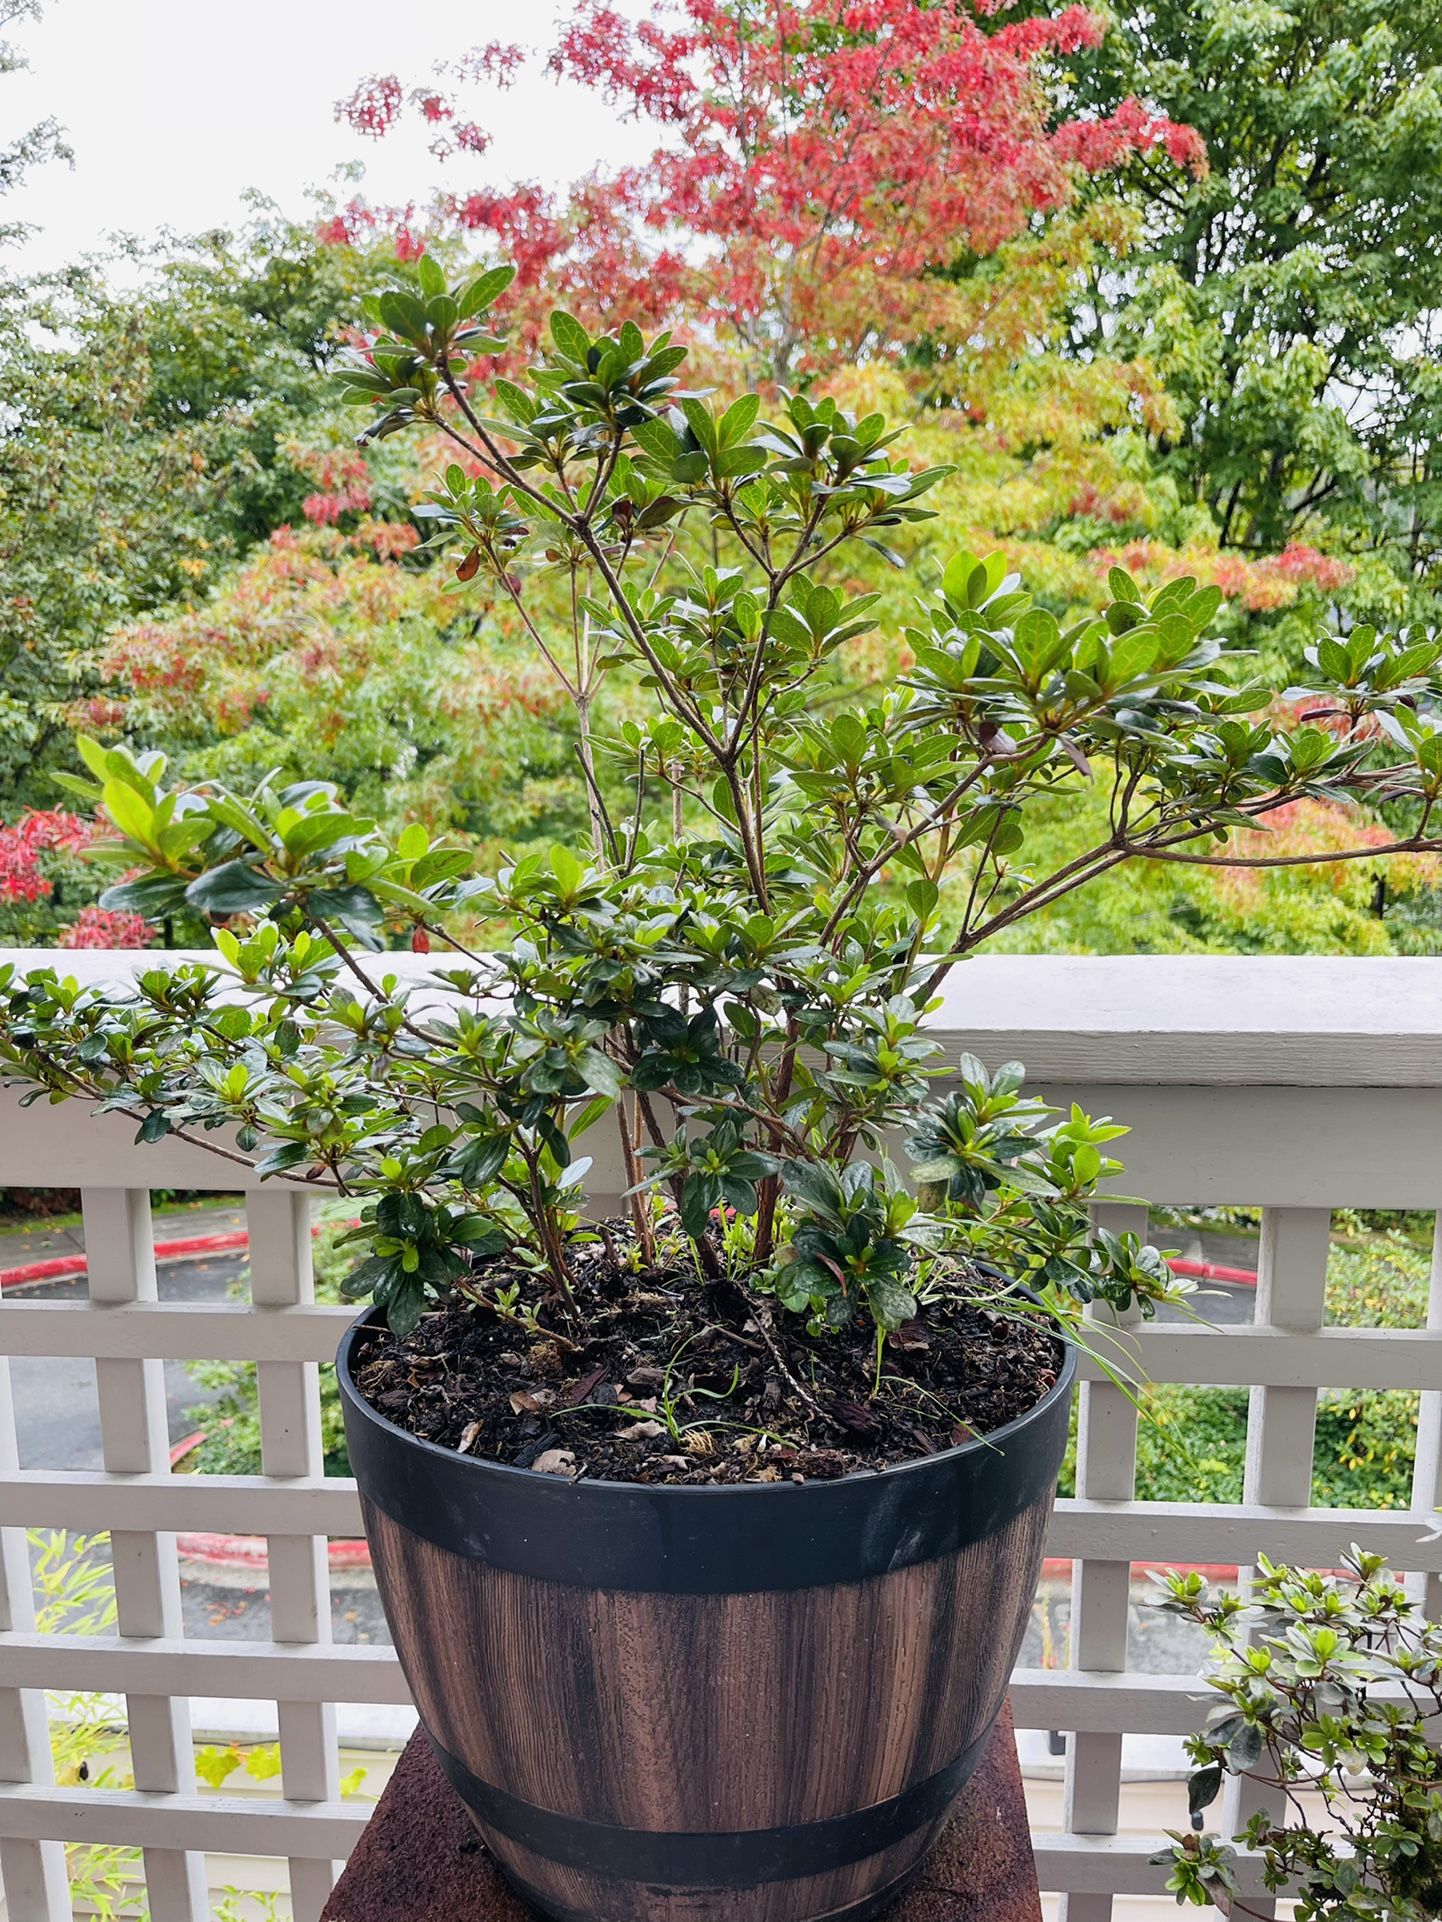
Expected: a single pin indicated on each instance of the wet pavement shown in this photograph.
(57, 1416)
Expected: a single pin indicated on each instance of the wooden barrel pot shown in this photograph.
(754, 1703)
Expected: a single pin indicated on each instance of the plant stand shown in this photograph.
(421, 1861)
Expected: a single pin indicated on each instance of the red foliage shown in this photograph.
(97, 927)
(375, 106)
(31, 836)
(1262, 585)
(344, 484)
(1301, 563)
(818, 156)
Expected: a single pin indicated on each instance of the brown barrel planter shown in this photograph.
(754, 1703)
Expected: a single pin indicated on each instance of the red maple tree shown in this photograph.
(818, 161)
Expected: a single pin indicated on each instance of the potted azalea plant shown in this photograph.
(709, 1405)
(1329, 1700)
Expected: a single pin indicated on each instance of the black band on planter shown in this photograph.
(720, 1859)
(698, 1541)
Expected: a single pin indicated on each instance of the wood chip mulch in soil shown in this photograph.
(670, 1379)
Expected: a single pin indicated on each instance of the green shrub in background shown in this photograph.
(90, 1739)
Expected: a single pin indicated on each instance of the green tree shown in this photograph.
(147, 439)
(1289, 295)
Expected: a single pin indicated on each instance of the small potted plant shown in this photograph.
(1331, 1701)
(707, 1518)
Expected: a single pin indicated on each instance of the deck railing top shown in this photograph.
(1205, 1020)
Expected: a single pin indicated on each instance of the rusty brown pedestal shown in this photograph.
(421, 1861)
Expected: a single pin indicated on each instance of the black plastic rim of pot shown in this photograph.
(729, 1539)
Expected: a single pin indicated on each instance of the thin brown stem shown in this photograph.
(360, 975)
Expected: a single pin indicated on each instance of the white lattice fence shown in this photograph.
(1300, 1086)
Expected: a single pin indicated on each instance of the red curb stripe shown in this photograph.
(249, 1552)
(33, 1271)
(64, 1267)
(1212, 1271)
(1054, 1568)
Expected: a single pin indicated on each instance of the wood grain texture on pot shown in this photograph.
(685, 1719)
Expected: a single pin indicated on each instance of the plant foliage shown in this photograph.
(735, 971)
(1330, 1685)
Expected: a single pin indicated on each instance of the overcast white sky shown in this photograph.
(175, 107)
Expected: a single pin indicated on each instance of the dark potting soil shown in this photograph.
(672, 1379)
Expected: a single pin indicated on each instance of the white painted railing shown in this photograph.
(1299, 1086)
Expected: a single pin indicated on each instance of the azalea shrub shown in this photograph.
(735, 967)
(1329, 1686)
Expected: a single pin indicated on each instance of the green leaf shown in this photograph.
(152, 895)
(130, 811)
(232, 888)
(738, 420)
(891, 1304)
(1204, 1788)
(479, 293)
(601, 1073)
(959, 570)
(703, 426)
(290, 1154)
(480, 1157)
(405, 1306)
(569, 872)
(570, 336)
(813, 1184)
(698, 1198)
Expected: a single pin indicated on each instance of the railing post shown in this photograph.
(1281, 1423)
(120, 1256)
(1106, 1471)
(1427, 1468)
(281, 1275)
(32, 1873)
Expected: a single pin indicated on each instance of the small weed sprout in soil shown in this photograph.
(1331, 1687)
(733, 976)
